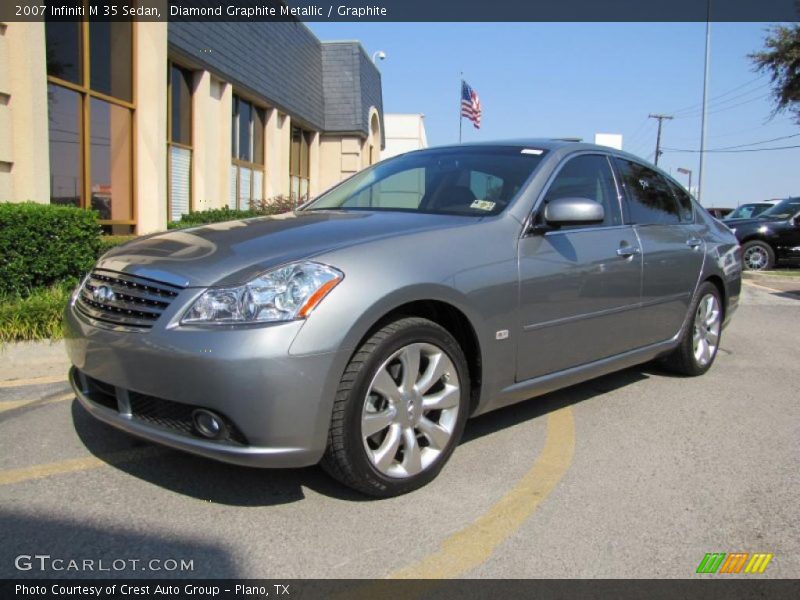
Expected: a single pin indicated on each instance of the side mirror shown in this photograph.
(573, 211)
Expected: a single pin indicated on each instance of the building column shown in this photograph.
(272, 153)
(314, 184)
(285, 136)
(150, 116)
(24, 155)
(351, 161)
(202, 152)
(224, 161)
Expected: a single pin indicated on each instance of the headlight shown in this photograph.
(283, 294)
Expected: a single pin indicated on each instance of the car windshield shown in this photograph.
(783, 209)
(747, 211)
(472, 181)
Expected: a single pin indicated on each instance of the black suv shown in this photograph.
(772, 235)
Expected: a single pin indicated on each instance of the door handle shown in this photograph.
(628, 251)
(694, 243)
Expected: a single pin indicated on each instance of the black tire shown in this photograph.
(346, 458)
(682, 360)
(761, 250)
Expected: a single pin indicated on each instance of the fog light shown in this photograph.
(207, 424)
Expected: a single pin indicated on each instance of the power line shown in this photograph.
(783, 137)
(715, 105)
(767, 123)
(642, 132)
(717, 97)
(733, 151)
(719, 110)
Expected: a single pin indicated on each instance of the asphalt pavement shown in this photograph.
(636, 474)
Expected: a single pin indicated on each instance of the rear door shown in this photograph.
(672, 248)
(579, 286)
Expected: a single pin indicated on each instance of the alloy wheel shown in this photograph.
(756, 258)
(411, 410)
(706, 329)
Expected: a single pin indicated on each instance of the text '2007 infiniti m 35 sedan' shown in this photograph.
(363, 329)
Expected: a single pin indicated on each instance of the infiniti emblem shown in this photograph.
(102, 293)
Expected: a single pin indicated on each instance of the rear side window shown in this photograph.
(684, 203)
(650, 200)
(588, 176)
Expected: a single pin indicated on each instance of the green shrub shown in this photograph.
(35, 317)
(107, 242)
(273, 206)
(214, 215)
(43, 244)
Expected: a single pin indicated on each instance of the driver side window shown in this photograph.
(588, 176)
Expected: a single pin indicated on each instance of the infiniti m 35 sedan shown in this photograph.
(363, 329)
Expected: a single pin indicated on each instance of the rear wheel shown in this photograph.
(758, 256)
(400, 409)
(700, 342)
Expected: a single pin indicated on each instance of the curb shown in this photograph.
(32, 360)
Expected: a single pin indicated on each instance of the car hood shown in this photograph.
(236, 251)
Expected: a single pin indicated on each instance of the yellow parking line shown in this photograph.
(73, 465)
(763, 287)
(470, 547)
(32, 381)
(12, 404)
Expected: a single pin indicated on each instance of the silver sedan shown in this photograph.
(362, 330)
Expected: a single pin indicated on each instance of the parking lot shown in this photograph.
(636, 474)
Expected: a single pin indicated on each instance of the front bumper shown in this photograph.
(280, 403)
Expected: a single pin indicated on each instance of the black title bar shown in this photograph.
(406, 10)
(716, 588)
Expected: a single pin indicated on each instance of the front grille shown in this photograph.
(122, 299)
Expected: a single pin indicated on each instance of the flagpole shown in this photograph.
(460, 116)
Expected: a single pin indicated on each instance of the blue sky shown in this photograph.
(577, 79)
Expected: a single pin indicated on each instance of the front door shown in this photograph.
(579, 286)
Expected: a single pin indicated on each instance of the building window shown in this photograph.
(247, 151)
(298, 164)
(90, 118)
(179, 141)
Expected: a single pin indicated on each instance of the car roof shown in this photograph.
(551, 144)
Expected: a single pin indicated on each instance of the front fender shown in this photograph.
(345, 326)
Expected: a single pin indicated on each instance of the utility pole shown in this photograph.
(658, 135)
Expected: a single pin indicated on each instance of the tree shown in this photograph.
(781, 59)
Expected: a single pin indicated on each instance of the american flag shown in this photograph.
(470, 104)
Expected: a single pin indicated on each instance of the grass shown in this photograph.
(785, 272)
(777, 273)
(35, 317)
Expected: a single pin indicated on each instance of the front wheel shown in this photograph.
(758, 256)
(700, 342)
(400, 409)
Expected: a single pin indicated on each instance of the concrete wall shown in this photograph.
(24, 157)
(404, 133)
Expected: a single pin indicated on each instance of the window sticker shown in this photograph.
(482, 205)
(534, 151)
